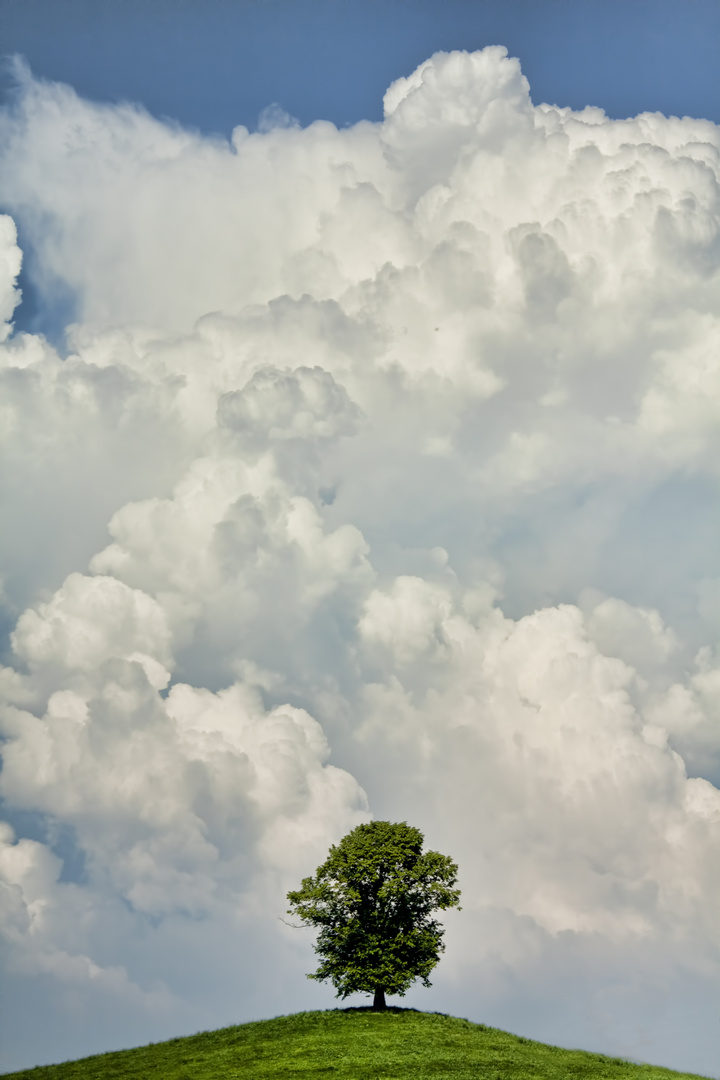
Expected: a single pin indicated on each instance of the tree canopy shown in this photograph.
(373, 900)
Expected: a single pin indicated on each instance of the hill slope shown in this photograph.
(350, 1044)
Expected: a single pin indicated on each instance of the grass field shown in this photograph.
(350, 1044)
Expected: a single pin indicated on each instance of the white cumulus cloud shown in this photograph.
(377, 479)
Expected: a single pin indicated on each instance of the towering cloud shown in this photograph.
(378, 479)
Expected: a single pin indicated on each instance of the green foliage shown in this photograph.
(373, 900)
(352, 1044)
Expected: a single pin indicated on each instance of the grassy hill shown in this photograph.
(350, 1044)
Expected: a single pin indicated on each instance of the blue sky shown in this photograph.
(216, 63)
(359, 469)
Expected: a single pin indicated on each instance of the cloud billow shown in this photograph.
(393, 443)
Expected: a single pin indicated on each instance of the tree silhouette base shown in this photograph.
(379, 1000)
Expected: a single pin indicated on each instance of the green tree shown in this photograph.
(373, 900)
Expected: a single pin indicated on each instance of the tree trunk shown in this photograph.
(379, 999)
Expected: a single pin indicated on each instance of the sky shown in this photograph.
(360, 371)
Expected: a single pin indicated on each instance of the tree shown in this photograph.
(373, 900)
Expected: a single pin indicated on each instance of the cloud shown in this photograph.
(377, 480)
(9, 270)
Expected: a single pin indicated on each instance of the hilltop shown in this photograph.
(350, 1044)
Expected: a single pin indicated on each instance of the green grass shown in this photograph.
(350, 1044)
